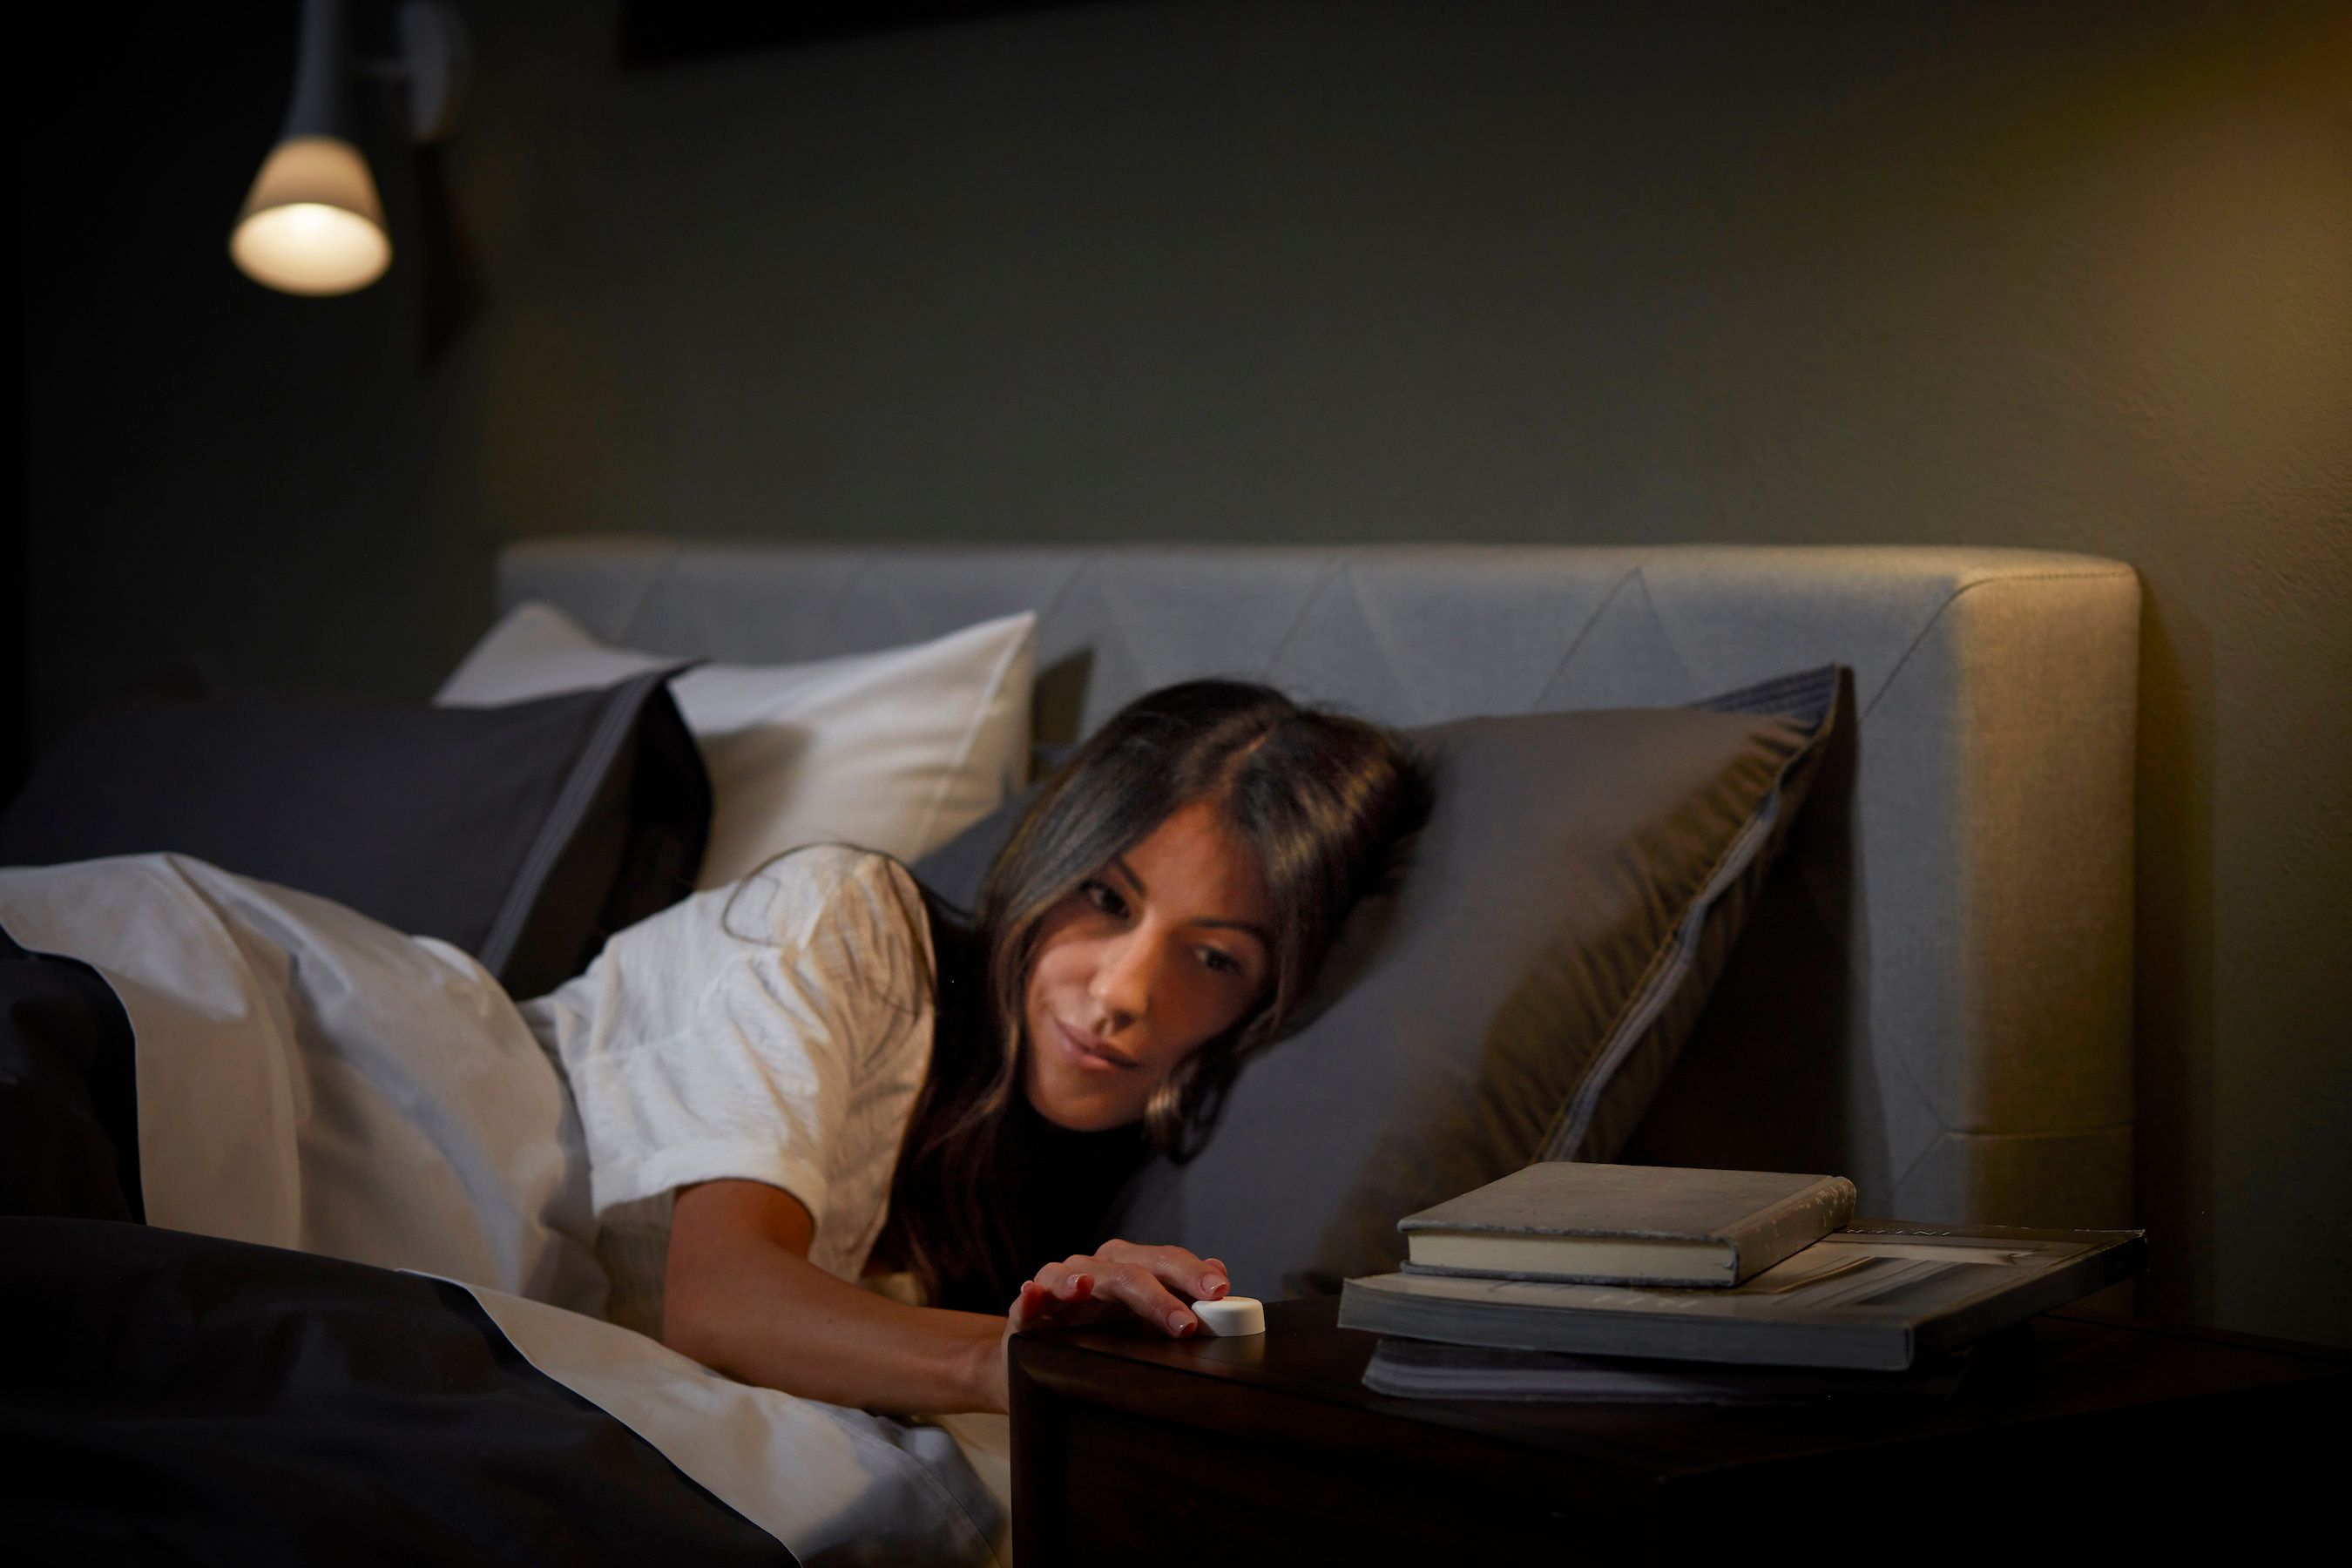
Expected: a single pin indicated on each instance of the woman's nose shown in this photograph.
(1122, 981)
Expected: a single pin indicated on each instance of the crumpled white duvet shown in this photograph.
(309, 1079)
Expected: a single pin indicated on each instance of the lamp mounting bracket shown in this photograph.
(429, 71)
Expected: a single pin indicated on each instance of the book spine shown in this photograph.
(1645, 1281)
(1788, 1226)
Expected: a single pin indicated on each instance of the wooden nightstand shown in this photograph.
(2077, 1432)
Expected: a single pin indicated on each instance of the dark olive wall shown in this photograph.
(2068, 276)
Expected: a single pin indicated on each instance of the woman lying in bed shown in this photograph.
(811, 1077)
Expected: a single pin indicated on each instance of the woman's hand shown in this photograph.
(1154, 1283)
(1123, 1280)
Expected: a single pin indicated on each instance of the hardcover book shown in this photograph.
(1423, 1369)
(1879, 1295)
(1626, 1224)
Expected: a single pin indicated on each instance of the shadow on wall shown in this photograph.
(2173, 1075)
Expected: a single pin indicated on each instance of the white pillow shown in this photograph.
(897, 751)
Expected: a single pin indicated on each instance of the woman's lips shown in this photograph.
(1088, 1056)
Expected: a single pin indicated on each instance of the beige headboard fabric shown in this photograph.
(1937, 993)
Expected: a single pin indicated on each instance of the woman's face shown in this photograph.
(1161, 951)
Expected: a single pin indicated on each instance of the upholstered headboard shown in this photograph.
(1934, 996)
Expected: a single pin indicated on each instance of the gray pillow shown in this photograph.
(1520, 994)
(524, 834)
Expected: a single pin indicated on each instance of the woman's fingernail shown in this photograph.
(1178, 1322)
(1211, 1284)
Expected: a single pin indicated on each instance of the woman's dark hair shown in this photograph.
(1320, 798)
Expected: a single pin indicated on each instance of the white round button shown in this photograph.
(1234, 1315)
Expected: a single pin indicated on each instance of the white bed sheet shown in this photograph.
(309, 1079)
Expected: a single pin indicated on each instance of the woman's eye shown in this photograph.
(1223, 962)
(1103, 897)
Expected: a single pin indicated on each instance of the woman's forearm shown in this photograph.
(742, 1298)
(781, 1322)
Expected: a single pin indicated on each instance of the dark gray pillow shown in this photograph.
(524, 834)
(1520, 994)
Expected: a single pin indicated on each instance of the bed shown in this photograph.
(1931, 994)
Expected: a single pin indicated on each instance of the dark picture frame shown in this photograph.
(668, 32)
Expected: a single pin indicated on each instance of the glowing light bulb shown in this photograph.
(312, 223)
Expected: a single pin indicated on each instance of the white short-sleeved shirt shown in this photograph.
(774, 1030)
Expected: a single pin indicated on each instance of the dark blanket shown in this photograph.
(68, 1104)
(170, 1397)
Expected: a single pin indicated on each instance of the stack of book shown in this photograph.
(1614, 1283)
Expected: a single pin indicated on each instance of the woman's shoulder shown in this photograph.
(833, 904)
(818, 874)
(801, 896)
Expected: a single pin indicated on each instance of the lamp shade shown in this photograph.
(312, 223)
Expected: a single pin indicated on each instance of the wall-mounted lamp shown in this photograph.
(312, 223)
